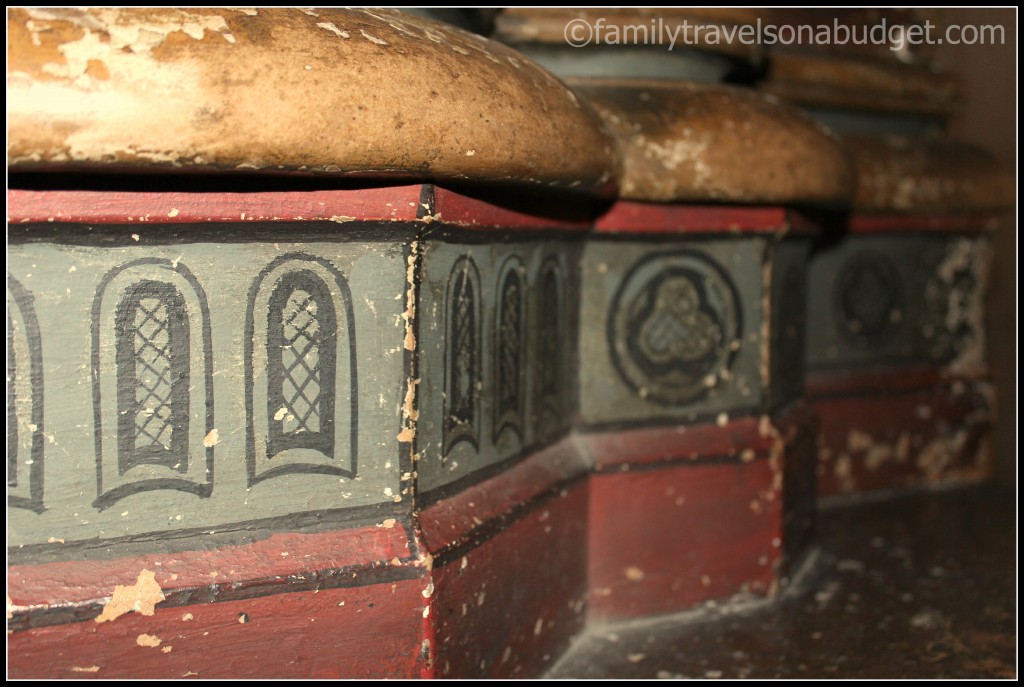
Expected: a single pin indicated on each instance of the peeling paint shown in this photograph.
(141, 597)
(212, 438)
(148, 640)
(373, 39)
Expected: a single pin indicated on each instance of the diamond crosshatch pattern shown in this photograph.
(153, 413)
(300, 358)
(301, 339)
(153, 377)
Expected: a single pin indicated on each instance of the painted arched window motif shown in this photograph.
(462, 357)
(300, 350)
(152, 377)
(509, 348)
(152, 381)
(25, 444)
(300, 386)
(551, 337)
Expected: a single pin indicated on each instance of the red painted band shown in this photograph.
(652, 445)
(280, 555)
(394, 204)
(873, 224)
(447, 522)
(630, 217)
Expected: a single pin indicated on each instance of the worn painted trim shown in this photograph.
(341, 206)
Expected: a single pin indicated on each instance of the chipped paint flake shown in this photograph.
(634, 574)
(148, 640)
(388, 523)
(85, 669)
(212, 438)
(141, 597)
(372, 39)
(328, 26)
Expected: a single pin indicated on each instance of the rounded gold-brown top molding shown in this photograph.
(350, 92)
(928, 175)
(688, 142)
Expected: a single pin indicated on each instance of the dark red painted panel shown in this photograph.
(524, 212)
(508, 607)
(276, 557)
(451, 520)
(607, 450)
(398, 203)
(868, 224)
(894, 379)
(363, 632)
(886, 439)
(632, 217)
(663, 540)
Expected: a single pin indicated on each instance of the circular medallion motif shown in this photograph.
(869, 298)
(671, 327)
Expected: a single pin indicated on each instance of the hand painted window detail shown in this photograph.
(551, 337)
(25, 444)
(509, 348)
(301, 332)
(153, 377)
(301, 399)
(152, 382)
(462, 358)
